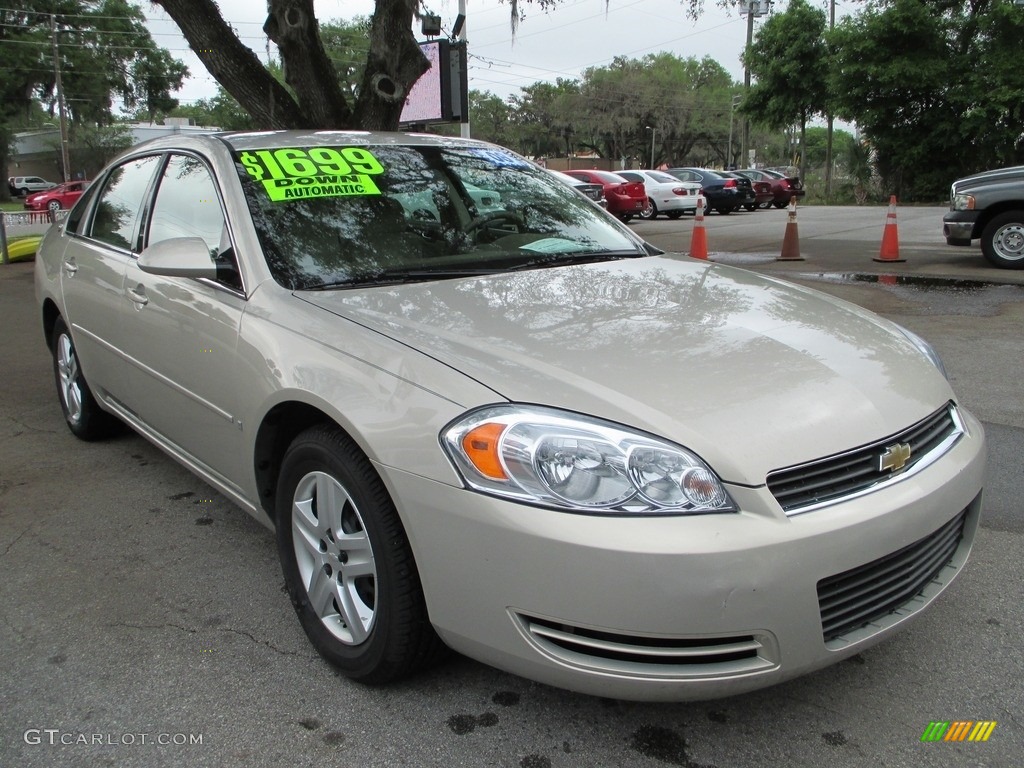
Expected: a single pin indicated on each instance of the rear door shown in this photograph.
(99, 247)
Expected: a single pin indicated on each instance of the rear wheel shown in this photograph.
(1002, 242)
(83, 415)
(625, 217)
(781, 203)
(650, 210)
(347, 563)
(53, 206)
(674, 214)
(750, 207)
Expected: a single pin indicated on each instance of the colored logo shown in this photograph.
(959, 730)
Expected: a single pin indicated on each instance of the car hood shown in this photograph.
(1015, 173)
(751, 373)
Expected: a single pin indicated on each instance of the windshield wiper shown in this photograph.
(564, 259)
(398, 277)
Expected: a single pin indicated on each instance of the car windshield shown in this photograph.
(392, 214)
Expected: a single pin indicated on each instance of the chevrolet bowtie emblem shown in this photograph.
(894, 458)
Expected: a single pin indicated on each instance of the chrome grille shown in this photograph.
(650, 656)
(828, 480)
(851, 600)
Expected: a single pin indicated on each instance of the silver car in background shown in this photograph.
(516, 431)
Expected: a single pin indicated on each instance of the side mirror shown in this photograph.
(179, 257)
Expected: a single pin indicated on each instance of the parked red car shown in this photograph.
(61, 196)
(626, 199)
(764, 195)
(784, 187)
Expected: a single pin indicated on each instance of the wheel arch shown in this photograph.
(991, 211)
(50, 314)
(278, 429)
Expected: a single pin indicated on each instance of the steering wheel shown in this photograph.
(484, 220)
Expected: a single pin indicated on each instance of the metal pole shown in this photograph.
(745, 142)
(464, 127)
(653, 132)
(60, 101)
(831, 119)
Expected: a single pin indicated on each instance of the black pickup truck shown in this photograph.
(989, 206)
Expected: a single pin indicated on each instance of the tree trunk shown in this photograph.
(393, 64)
(311, 75)
(234, 66)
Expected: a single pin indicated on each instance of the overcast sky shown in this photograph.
(562, 43)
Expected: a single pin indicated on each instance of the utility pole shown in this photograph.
(831, 118)
(464, 127)
(65, 161)
(752, 8)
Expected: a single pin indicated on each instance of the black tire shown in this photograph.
(674, 214)
(53, 205)
(83, 415)
(780, 203)
(625, 218)
(1002, 242)
(750, 208)
(724, 211)
(380, 630)
(23, 192)
(650, 212)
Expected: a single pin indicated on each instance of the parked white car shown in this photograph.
(665, 193)
(26, 185)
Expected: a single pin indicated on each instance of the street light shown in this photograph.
(732, 110)
(651, 129)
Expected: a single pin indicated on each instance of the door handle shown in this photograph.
(138, 296)
(70, 267)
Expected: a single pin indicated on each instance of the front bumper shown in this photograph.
(958, 227)
(672, 608)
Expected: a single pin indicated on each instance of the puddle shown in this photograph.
(943, 295)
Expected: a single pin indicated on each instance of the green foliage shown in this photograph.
(789, 59)
(105, 53)
(936, 92)
(616, 111)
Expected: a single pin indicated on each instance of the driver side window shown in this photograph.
(187, 205)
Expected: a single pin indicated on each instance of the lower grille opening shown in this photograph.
(862, 595)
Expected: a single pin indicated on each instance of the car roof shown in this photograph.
(277, 139)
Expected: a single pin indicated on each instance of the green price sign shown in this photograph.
(292, 174)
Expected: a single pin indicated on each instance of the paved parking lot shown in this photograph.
(143, 621)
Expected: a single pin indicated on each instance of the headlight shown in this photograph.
(962, 202)
(566, 461)
(926, 349)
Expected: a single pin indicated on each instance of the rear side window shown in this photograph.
(116, 217)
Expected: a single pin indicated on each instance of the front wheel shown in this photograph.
(674, 214)
(347, 563)
(1002, 242)
(23, 192)
(83, 415)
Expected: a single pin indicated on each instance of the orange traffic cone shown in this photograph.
(791, 240)
(890, 250)
(699, 238)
